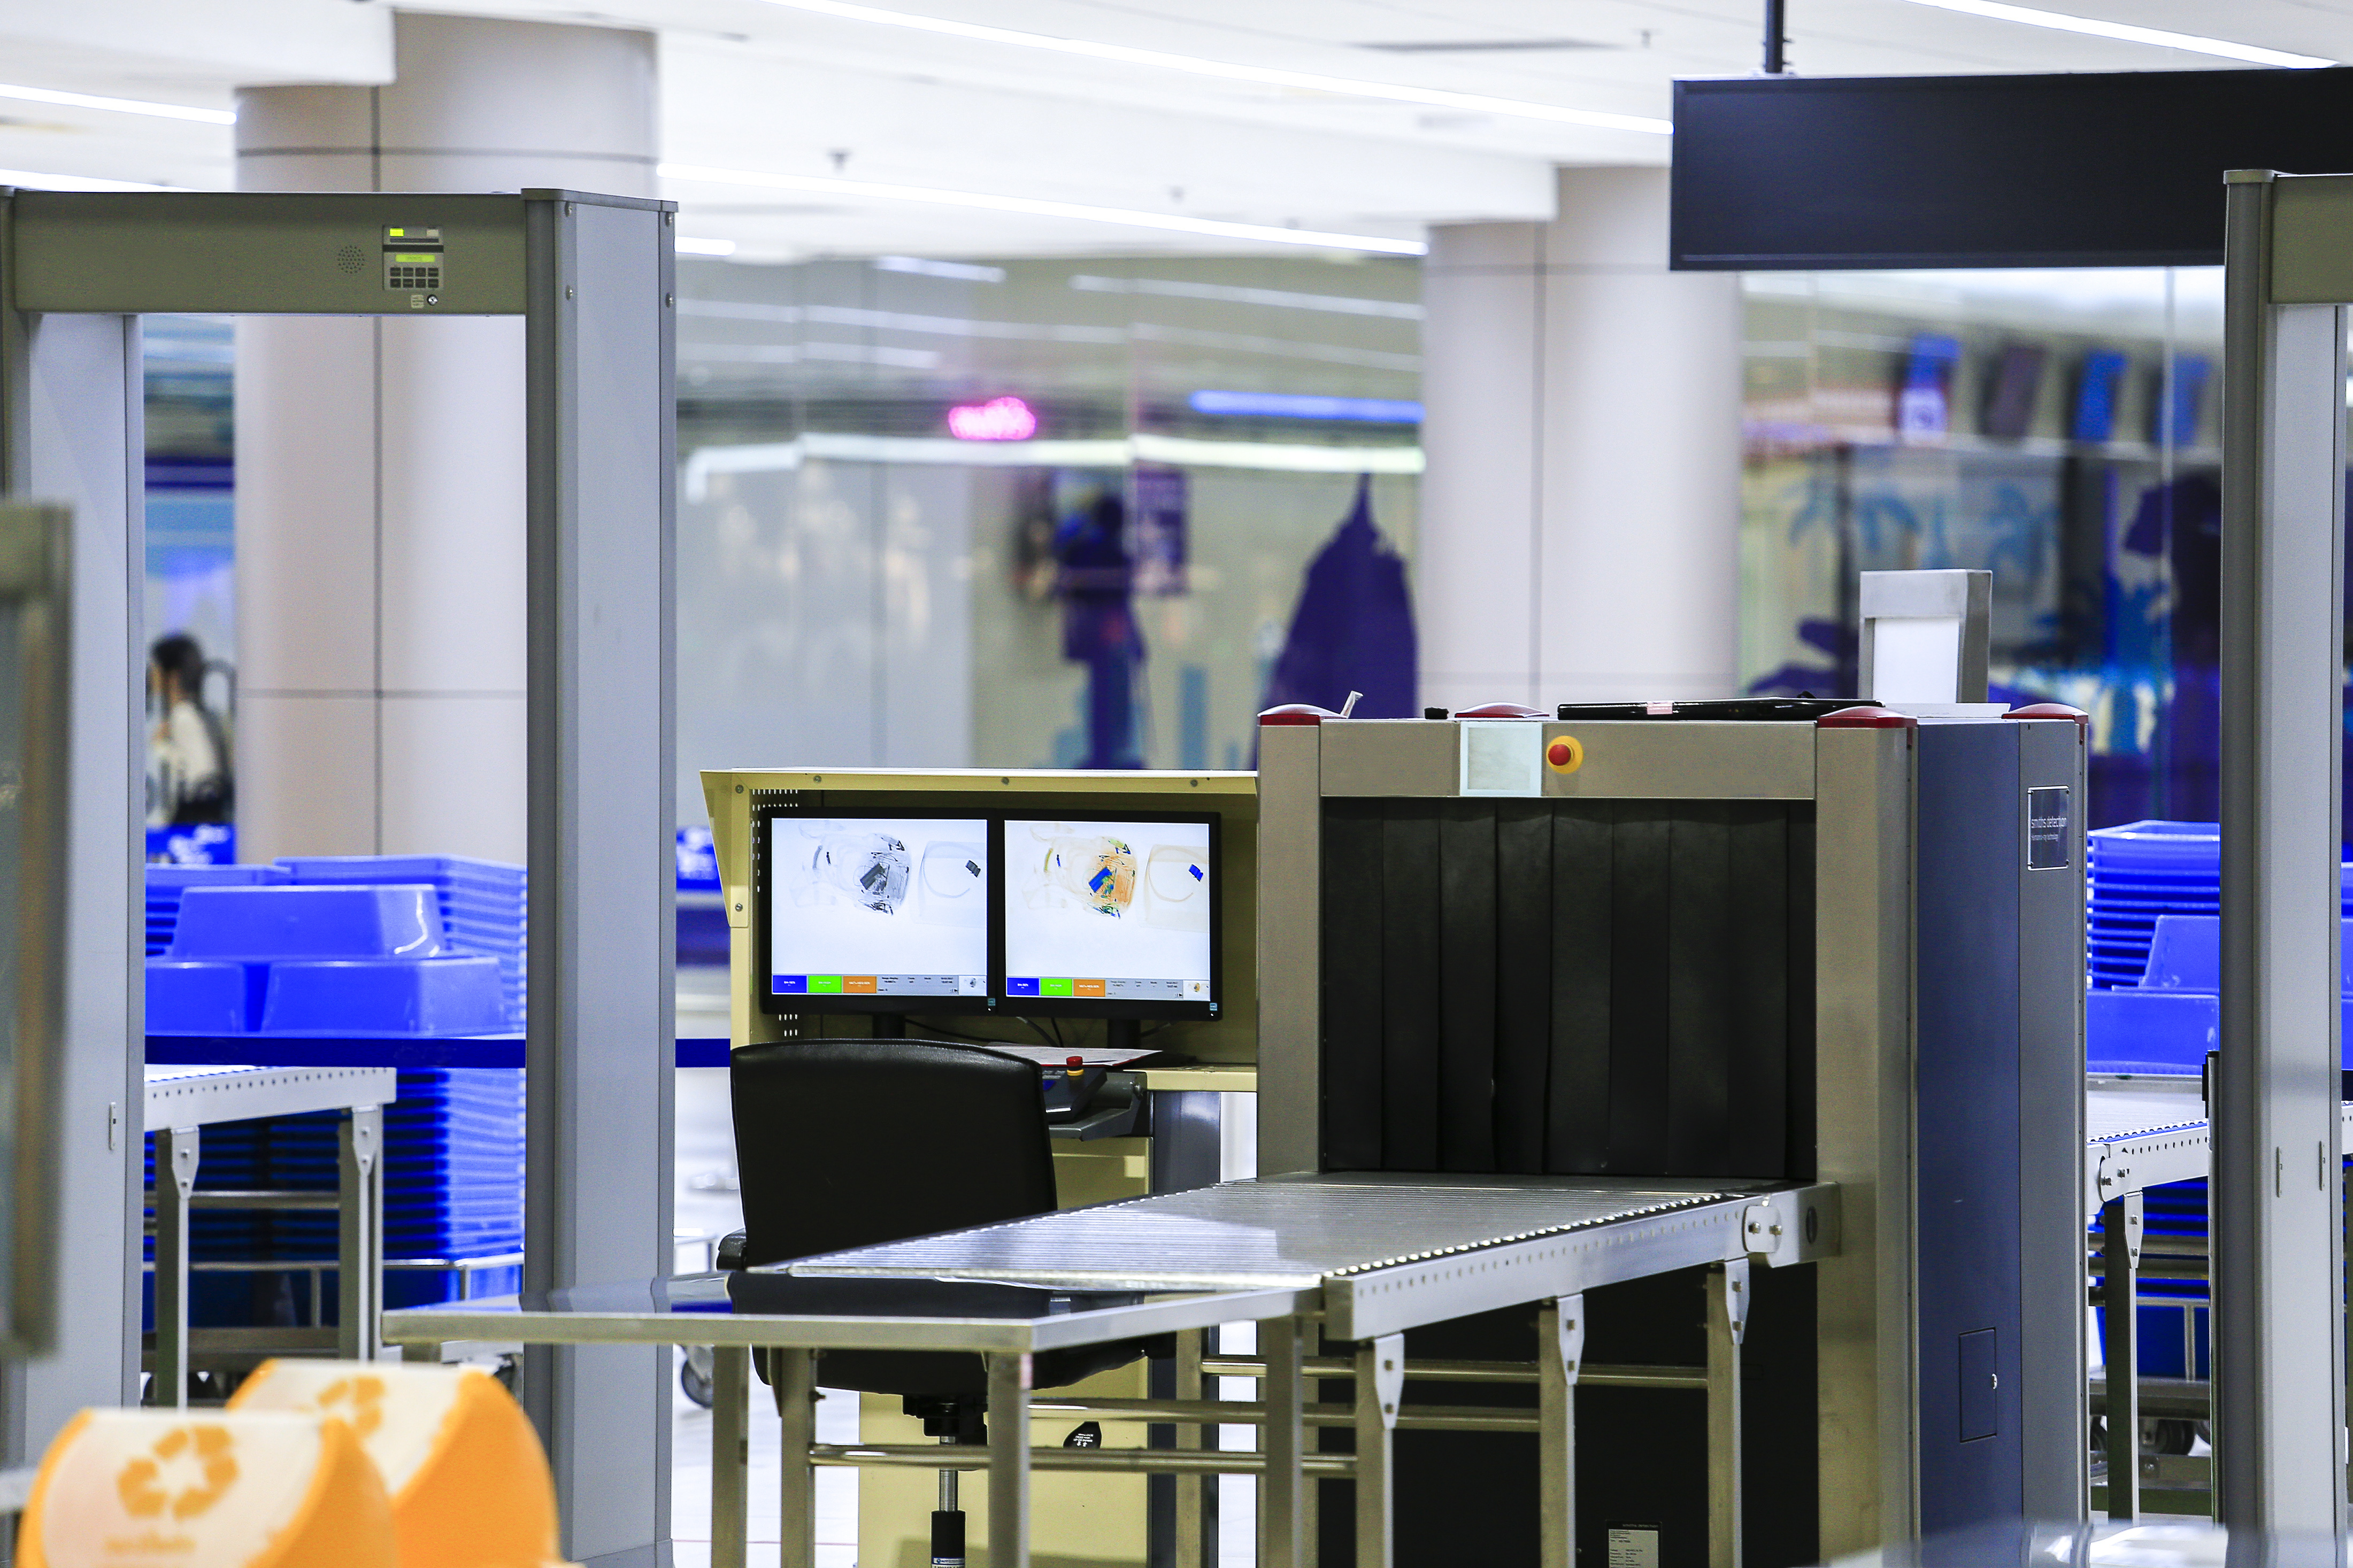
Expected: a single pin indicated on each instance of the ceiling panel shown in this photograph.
(764, 86)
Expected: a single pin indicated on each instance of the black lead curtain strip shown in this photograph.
(1568, 987)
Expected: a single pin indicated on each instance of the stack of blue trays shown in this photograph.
(453, 1167)
(319, 960)
(453, 1177)
(2139, 872)
(166, 884)
(2153, 1006)
(453, 1187)
(482, 902)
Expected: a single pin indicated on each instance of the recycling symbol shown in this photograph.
(186, 1471)
(365, 1397)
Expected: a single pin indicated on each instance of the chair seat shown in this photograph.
(959, 1375)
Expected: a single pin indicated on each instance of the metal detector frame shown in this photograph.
(593, 278)
(2278, 1244)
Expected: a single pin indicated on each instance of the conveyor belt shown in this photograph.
(200, 1096)
(2147, 1132)
(1388, 1251)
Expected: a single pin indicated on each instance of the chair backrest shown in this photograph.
(844, 1143)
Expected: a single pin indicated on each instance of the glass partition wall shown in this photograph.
(2057, 427)
(1022, 513)
(1060, 513)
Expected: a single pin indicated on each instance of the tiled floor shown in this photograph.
(837, 1489)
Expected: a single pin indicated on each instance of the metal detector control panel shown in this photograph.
(412, 261)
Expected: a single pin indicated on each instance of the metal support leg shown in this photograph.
(1728, 1325)
(1560, 1347)
(1380, 1389)
(359, 1273)
(948, 1516)
(1280, 1536)
(2120, 1224)
(731, 1454)
(1008, 1461)
(1192, 1541)
(795, 1373)
(1311, 1487)
(176, 1153)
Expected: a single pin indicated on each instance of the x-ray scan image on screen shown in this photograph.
(880, 907)
(1108, 909)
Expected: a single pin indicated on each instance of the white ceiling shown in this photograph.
(754, 86)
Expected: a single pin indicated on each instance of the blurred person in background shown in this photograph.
(189, 778)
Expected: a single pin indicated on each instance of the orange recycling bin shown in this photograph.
(212, 1489)
(467, 1480)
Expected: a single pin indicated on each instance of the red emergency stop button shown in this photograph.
(1563, 755)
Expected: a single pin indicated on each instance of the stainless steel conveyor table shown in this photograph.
(792, 1317)
(1366, 1256)
(1383, 1253)
(2141, 1132)
(182, 1099)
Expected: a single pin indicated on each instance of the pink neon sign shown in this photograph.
(998, 419)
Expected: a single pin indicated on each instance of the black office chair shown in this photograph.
(843, 1143)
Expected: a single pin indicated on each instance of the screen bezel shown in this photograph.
(1096, 1006)
(763, 921)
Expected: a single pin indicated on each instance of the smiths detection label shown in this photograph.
(2048, 821)
(1633, 1546)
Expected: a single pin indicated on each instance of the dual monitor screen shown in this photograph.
(1101, 916)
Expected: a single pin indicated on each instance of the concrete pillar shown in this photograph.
(1580, 513)
(380, 461)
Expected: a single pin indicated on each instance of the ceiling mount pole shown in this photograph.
(1775, 63)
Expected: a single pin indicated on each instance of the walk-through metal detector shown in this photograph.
(593, 278)
(2279, 1253)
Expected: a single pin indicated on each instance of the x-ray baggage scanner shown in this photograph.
(1775, 940)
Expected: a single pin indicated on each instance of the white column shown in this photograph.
(1580, 513)
(380, 462)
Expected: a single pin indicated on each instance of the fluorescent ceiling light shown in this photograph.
(963, 271)
(2157, 36)
(120, 105)
(705, 463)
(1279, 298)
(1269, 76)
(686, 246)
(1306, 405)
(30, 181)
(828, 185)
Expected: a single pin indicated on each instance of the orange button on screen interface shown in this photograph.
(1563, 755)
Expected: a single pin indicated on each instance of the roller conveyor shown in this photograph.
(1360, 1257)
(201, 1096)
(1388, 1252)
(2144, 1133)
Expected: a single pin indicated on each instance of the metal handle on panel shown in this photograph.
(35, 713)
